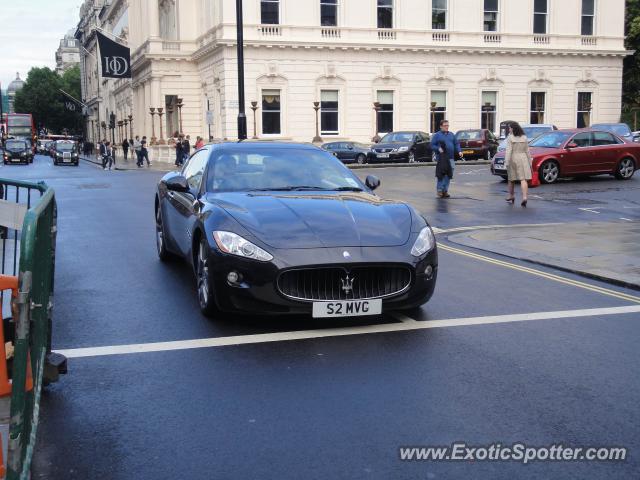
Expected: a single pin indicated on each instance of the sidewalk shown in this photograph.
(603, 251)
(130, 164)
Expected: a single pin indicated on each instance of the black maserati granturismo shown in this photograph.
(277, 228)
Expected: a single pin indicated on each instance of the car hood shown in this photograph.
(312, 220)
(533, 151)
(15, 149)
(392, 145)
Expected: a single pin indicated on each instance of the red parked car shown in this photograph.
(572, 153)
(479, 143)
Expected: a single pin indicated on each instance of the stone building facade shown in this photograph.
(476, 62)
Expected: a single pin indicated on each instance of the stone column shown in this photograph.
(154, 18)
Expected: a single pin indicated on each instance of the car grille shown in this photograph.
(382, 150)
(330, 283)
(66, 155)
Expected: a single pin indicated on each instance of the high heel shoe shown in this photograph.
(524, 203)
(510, 200)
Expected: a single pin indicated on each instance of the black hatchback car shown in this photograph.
(348, 152)
(277, 228)
(17, 151)
(409, 147)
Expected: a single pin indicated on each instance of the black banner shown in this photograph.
(69, 104)
(116, 58)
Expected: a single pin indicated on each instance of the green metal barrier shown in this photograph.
(32, 345)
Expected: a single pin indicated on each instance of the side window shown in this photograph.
(603, 138)
(194, 170)
(582, 139)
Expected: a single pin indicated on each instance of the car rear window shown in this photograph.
(470, 135)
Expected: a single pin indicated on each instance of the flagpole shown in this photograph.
(110, 33)
(74, 98)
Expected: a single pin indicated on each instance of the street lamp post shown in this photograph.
(112, 126)
(376, 108)
(242, 118)
(433, 116)
(131, 125)
(160, 113)
(180, 105)
(152, 111)
(170, 117)
(254, 107)
(317, 138)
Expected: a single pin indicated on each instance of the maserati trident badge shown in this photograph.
(347, 284)
(346, 254)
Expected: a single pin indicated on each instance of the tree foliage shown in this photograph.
(41, 97)
(631, 75)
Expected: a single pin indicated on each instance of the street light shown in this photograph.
(376, 108)
(160, 113)
(242, 118)
(317, 138)
(180, 105)
(152, 111)
(254, 107)
(131, 125)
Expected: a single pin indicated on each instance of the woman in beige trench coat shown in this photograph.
(518, 162)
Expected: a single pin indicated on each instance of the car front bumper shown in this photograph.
(258, 294)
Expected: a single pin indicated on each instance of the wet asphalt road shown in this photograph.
(336, 407)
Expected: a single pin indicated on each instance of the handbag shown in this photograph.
(535, 179)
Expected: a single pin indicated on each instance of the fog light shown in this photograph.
(428, 272)
(233, 277)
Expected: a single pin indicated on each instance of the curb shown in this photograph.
(581, 273)
(126, 169)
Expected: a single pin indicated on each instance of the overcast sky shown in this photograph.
(30, 33)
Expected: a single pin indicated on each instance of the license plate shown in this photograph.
(468, 152)
(66, 160)
(382, 155)
(350, 308)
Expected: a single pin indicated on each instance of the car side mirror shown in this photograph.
(177, 183)
(350, 147)
(571, 145)
(372, 182)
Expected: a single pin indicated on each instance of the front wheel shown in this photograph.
(412, 156)
(161, 247)
(626, 168)
(549, 171)
(205, 297)
(361, 159)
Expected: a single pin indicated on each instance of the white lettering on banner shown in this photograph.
(116, 65)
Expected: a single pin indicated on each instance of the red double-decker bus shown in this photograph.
(20, 125)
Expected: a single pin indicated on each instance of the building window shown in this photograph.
(588, 15)
(167, 19)
(329, 13)
(490, 15)
(438, 108)
(385, 116)
(271, 112)
(385, 13)
(540, 11)
(538, 100)
(488, 110)
(329, 112)
(270, 12)
(439, 15)
(584, 109)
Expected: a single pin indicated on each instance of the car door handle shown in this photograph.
(171, 194)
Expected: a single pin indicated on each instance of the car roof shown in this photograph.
(261, 146)
(602, 124)
(533, 125)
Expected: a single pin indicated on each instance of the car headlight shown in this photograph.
(425, 242)
(234, 244)
(403, 149)
(22, 154)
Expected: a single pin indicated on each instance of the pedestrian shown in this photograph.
(137, 148)
(108, 155)
(210, 138)
(518, 161)
(186, 148)
(125, 149)
(179, 153)
(102, 150)
(144, 153)
(445, 145)
(199, 143)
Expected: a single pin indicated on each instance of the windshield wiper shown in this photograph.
(287, 189)
(348, 189)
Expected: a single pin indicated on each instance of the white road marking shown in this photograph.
(437, 230)
(340, 332)
(590, 210)
(627, 219)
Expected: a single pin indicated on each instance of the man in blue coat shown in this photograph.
(446, 147)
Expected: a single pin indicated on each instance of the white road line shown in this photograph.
(590, 210)
(340, 332)
(627, 219)
(437, 230)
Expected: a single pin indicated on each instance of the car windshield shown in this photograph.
(279, 169)
(551, 140)
(398, 137)
(533, 132)
(15, 144)
(65, 147)
(470, 135)
(619, 129)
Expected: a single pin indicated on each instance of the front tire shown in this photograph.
(161, 247)
(412, 156)
(205, 293)
(549, 172)
(361, 159)
(625, 169)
